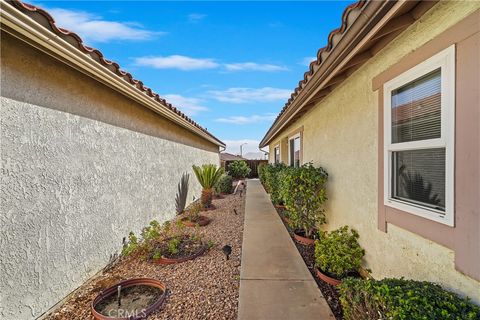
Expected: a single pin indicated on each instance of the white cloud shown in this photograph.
(233, 146)
(189, 106)
(252, 66)
(249, 95)
(196, 17)
(93, 28)
(248, 119)
(176, 62)
(306, 61)
(189, 63)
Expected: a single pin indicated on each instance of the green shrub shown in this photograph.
(239, 169)
(274, 182)
(224, 184)
(261, 172)
(338, 252)
(173, 246)
(149, 234)
(403, 300)
(131, 245)
(303, 191)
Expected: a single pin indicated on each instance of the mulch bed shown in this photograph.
(204, 288)
(308, 254)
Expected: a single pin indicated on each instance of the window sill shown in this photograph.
(429, 214)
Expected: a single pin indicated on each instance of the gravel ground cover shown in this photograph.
(204, 288)
(308, 254)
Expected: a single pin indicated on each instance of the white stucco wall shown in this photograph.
(340, 134)
(74, 186)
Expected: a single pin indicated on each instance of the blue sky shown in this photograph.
(229, 65)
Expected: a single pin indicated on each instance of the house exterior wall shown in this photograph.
(81, 166)
(341, 135)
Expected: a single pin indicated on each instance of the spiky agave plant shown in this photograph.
(207, 176)
(181, 197)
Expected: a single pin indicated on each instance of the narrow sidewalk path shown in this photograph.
(274, 280)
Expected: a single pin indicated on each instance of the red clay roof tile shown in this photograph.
(31, 10)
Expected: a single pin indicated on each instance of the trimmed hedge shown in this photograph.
(303, 191)
(261, 172)
(224, 184)
(403, 300)
(273, 182)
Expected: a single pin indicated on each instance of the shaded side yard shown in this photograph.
(204, 288)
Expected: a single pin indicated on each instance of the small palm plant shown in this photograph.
(207, 175)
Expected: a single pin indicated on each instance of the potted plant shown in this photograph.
(239, 169)
(165, 244)
(271, 178)
(179, 248)
(338, 255)
(207, 175)
(261, 172)
(285, 215)
(304, 193)
(194, 218)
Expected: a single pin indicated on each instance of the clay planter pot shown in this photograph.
(141, 312)
(165, 260)
(202, 221)
(299, 237)
(322, 276)
(286, 220)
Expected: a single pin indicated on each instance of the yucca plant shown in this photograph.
(207, 175)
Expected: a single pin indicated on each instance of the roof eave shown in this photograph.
(26, 29)
(373, 16)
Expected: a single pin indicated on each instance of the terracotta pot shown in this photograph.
(165, 260)
(303, 240)
(125, 284)
(202, 221)
(322, 276)
(286, 220)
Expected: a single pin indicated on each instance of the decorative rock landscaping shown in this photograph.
(206, 287)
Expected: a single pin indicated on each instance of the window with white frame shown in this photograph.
(294, 151)
(419, 118)
(276, 154)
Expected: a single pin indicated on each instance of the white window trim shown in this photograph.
(446, 61)
(289, 152)
(275, 154)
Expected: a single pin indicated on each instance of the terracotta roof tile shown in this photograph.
(349, 11)
(37, 14)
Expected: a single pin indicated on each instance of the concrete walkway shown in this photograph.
(274, 281)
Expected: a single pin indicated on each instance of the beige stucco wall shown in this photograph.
(81, 166)
(340, 134)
